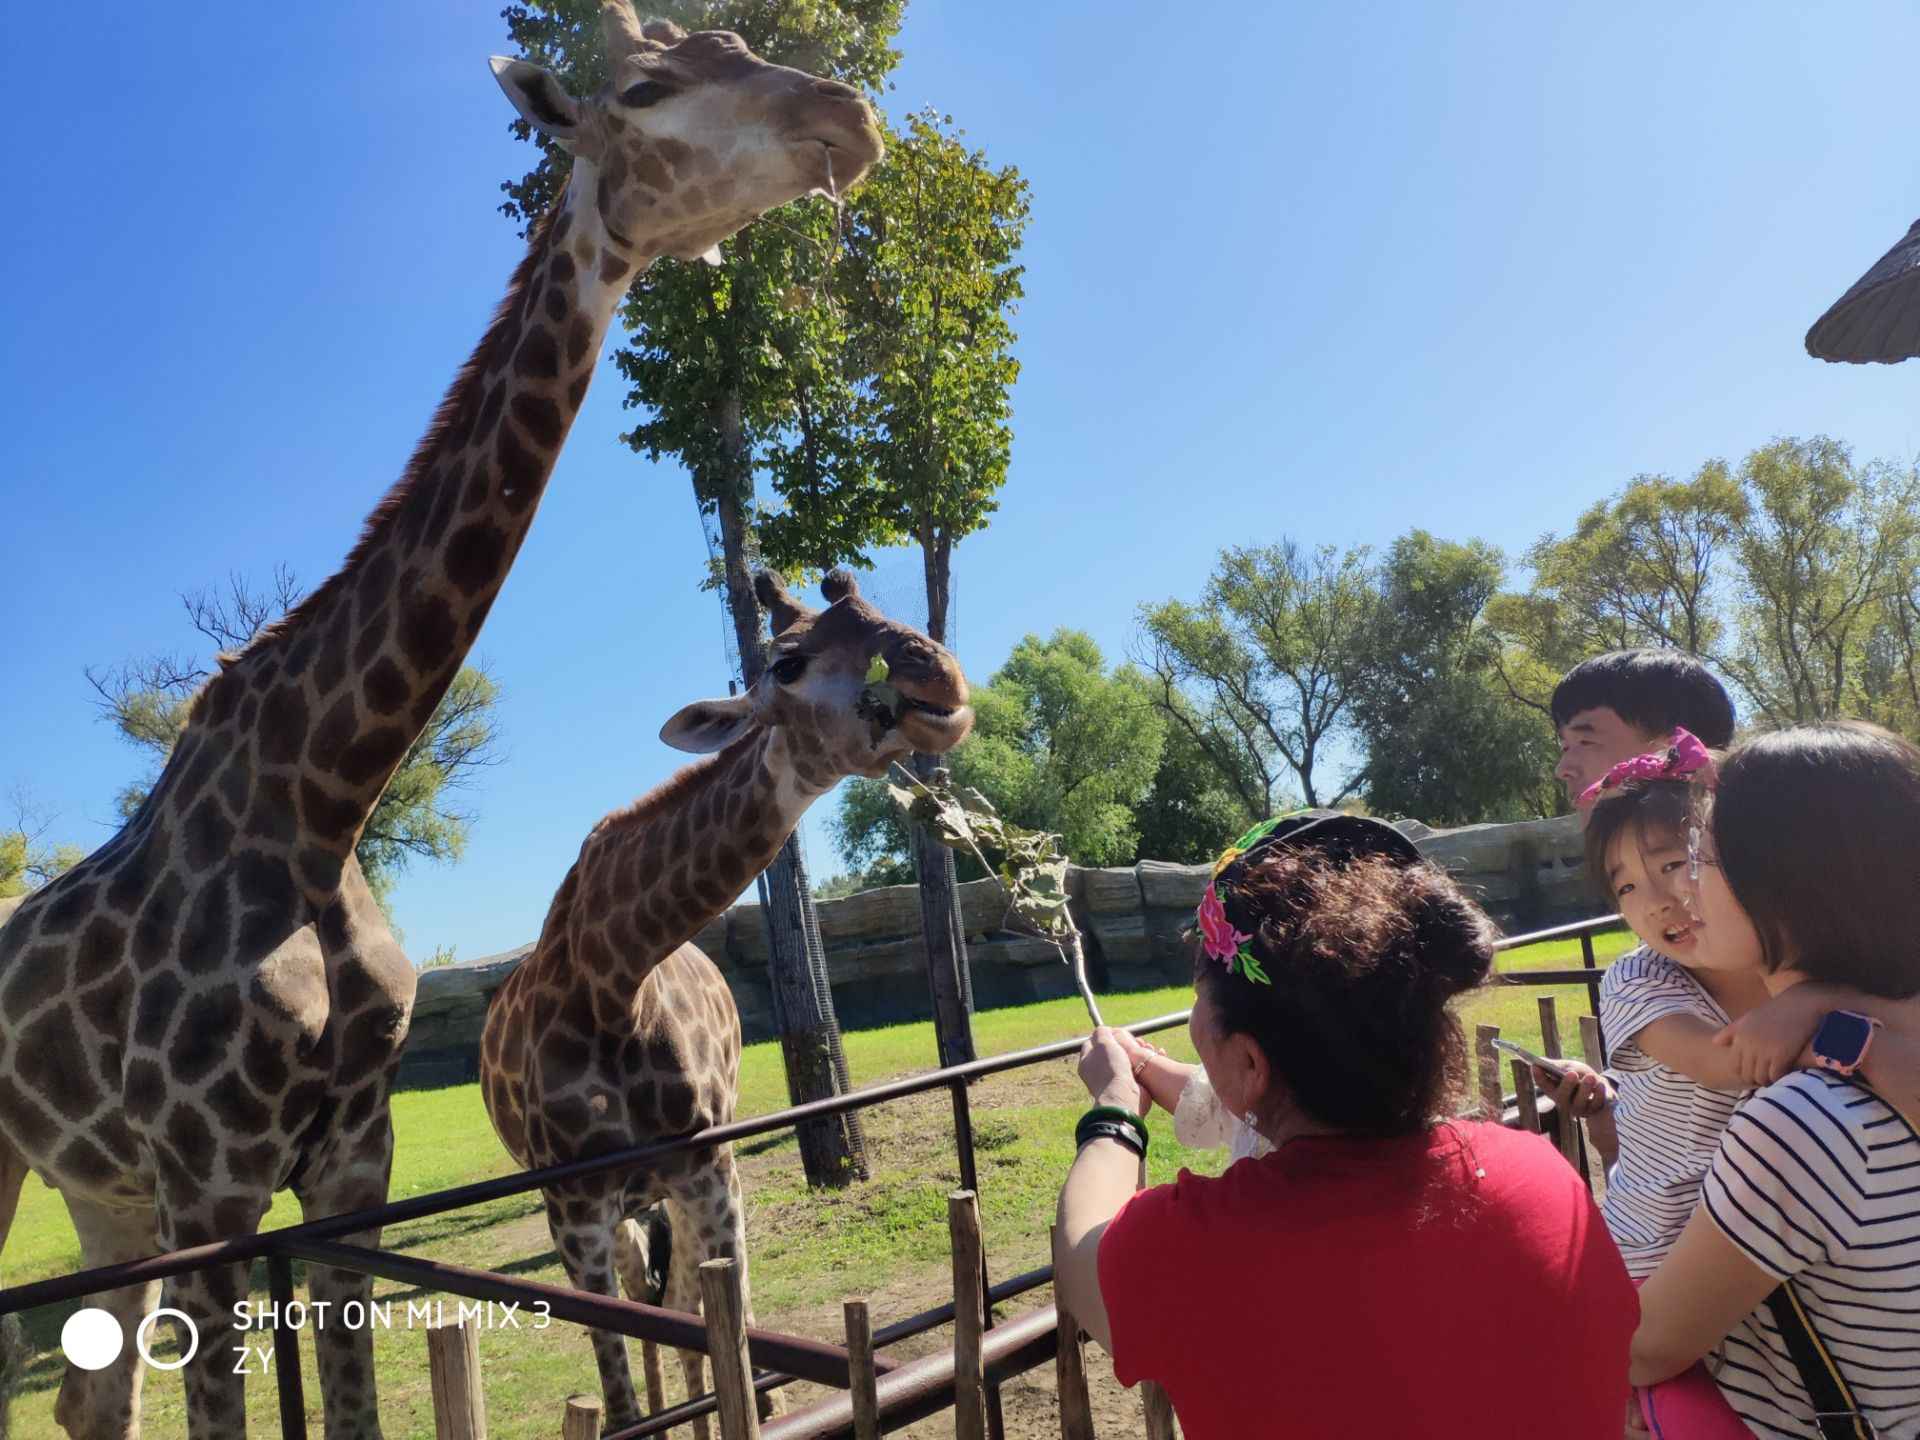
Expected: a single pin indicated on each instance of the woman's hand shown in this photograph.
(1107, 1071)
(1583, 1094)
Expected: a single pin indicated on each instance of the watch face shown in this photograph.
(1841, 1037)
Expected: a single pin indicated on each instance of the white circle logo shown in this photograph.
(92, 1338)
(143, 1339)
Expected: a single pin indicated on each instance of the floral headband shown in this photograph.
(1343, 837)
(1685, 758)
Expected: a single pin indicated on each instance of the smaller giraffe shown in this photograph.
(616, 1030)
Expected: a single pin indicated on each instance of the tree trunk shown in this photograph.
(832, 1148)
(948, 975)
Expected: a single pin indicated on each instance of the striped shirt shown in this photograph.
(1818, 1181)
(1670, 1125)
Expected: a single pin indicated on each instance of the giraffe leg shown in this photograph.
(107, 1402)
(189, 1216)
(354, 1179)
(683, 1293)
(583, 1233)
(710, 1223)
(637, 1256)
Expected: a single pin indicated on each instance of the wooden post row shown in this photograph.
(453, 1369)
(726, 1321)
(969, 1317)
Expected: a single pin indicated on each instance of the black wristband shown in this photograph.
(1091, 1130)
(1113, 1116)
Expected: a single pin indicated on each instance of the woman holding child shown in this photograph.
(1779, 899)
(1319, 1285)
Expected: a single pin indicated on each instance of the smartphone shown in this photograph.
(1549, 1067)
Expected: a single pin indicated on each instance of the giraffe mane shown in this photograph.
(459, 394)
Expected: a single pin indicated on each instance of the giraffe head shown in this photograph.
(694, 135)
(850, 690)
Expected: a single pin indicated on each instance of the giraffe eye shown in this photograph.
(647, 92)
(789, 668)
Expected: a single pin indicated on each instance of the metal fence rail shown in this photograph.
(908, 1391)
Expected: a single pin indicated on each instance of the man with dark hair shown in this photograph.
(1626, 702)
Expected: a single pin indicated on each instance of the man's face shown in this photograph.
(1592, 742)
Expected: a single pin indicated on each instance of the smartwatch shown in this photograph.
(1841, 1042)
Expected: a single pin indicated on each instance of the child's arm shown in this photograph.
(1772, 1039)
(1160, 1076)
(1686, 1043)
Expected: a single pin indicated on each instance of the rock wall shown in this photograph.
(1529, 875)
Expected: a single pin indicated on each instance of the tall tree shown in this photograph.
(419, 817)
(1827, 558)
(1444, 742)
(1259, 674)
(1644, 567)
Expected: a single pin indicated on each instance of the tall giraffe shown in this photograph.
(210, 1007)
(616, 1030)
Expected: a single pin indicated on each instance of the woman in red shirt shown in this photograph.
(1387, 1269)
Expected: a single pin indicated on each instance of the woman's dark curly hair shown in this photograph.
(1364, 955)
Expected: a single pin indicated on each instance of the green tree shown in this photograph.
(418, 818)
(1190, 812)
(1259, 675)
(1644, 567)
(930, 285)
(26, 860)
(1827, 555)
(1444, 741)
(1059, 744)
(1795, 576)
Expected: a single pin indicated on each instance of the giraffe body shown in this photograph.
(616, 1030)
(210, 1007)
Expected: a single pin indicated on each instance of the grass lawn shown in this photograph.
(885, 1239)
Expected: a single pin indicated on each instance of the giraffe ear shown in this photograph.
(709, 725)
(541, 100)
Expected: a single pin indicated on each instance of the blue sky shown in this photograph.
(1322, 270)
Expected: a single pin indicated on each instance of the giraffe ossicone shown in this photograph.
(616, 1030)
(211, 1006)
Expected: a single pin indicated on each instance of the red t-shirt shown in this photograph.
(1376, 1287)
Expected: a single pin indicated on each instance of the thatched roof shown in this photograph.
(1877, 320)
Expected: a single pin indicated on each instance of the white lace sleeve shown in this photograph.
(1200, 1122)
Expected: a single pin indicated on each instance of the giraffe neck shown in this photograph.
(321, 708)
(652, 877)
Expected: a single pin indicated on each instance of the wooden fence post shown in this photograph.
(1159, 1411)
(1566, 1128)
(1486, 1064)
(453, 1368)
(860, 1378)
(1590, 1047)
(1549, 1028)
(969, 1317)
(1070, 1367)
(727, 1348)
(582, 1421)
(1526, 1097)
